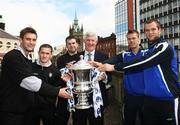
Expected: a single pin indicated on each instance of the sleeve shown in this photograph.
(31, 83)
(163, 52)
(115, 59)
(48, 90)
(19, 66)
(24, 76)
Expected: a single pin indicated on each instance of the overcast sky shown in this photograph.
(51, 18)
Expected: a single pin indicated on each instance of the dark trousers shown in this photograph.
(62, 116)
(132, 109)
(61, 112)
(8, 118)
(159, 112)
(46, 115)
(81, 116)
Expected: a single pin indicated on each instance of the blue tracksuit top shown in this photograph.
(133, 80)
(160, 70)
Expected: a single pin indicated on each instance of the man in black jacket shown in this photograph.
(44, 69)
(18, 84)
(70, 56)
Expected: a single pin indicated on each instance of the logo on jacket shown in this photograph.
(50, 75)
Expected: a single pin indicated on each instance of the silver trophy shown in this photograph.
(82, 84)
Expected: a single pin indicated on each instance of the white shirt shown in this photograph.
(86, 56)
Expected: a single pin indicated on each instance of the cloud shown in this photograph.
(49, 23)
(51, 18)
(101, 18)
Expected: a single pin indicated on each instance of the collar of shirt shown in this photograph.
(44, 65)
(86, 55)
(22, 51)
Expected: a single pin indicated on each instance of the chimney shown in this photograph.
(2, 24)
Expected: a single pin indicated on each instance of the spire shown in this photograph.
(75, 16)
(75, 19)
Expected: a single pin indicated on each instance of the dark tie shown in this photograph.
(89, 57)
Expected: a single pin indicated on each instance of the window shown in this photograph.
(165, 31)
(165, 8)
(169, 6)
(1, 44)
(175, 3)
(171, 30)
(8, 44)
(176, 16)
(156, 11)
(160, 9)
(176, 29)
(145, 5)
(15, 45)
(165, 19)
(161, 20)
(170, 18)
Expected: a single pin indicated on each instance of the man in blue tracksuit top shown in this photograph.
(160, 106)
(133, 80)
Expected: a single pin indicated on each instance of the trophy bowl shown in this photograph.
(81, 72)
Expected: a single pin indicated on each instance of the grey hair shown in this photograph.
(90, 34)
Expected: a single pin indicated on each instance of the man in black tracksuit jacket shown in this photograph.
(46, 71)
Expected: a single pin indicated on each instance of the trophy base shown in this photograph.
(83, 106)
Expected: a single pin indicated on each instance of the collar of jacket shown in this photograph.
(158, 40)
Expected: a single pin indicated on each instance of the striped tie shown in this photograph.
(89, 57)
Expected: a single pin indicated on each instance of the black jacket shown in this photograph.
(51, 76)
(14, 98)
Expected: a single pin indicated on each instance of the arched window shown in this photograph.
(15, 45)
(1, 44)
(8, 44)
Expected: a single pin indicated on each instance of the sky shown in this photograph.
(52, 18)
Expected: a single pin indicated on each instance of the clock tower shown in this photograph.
(77, 32)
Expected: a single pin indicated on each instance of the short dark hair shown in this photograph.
(159, 26)
(69, 38)
(133, 31)
(46, 46)
(27, 30)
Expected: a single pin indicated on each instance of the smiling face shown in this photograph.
(152, 31)
(90, 43)
(28, 42)
(72, 45)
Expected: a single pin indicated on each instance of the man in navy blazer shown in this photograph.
(80, 116)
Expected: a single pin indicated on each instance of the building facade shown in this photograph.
(7, 41)
(126, 17)
(77, 32)
(107, 45)
(168, 13)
